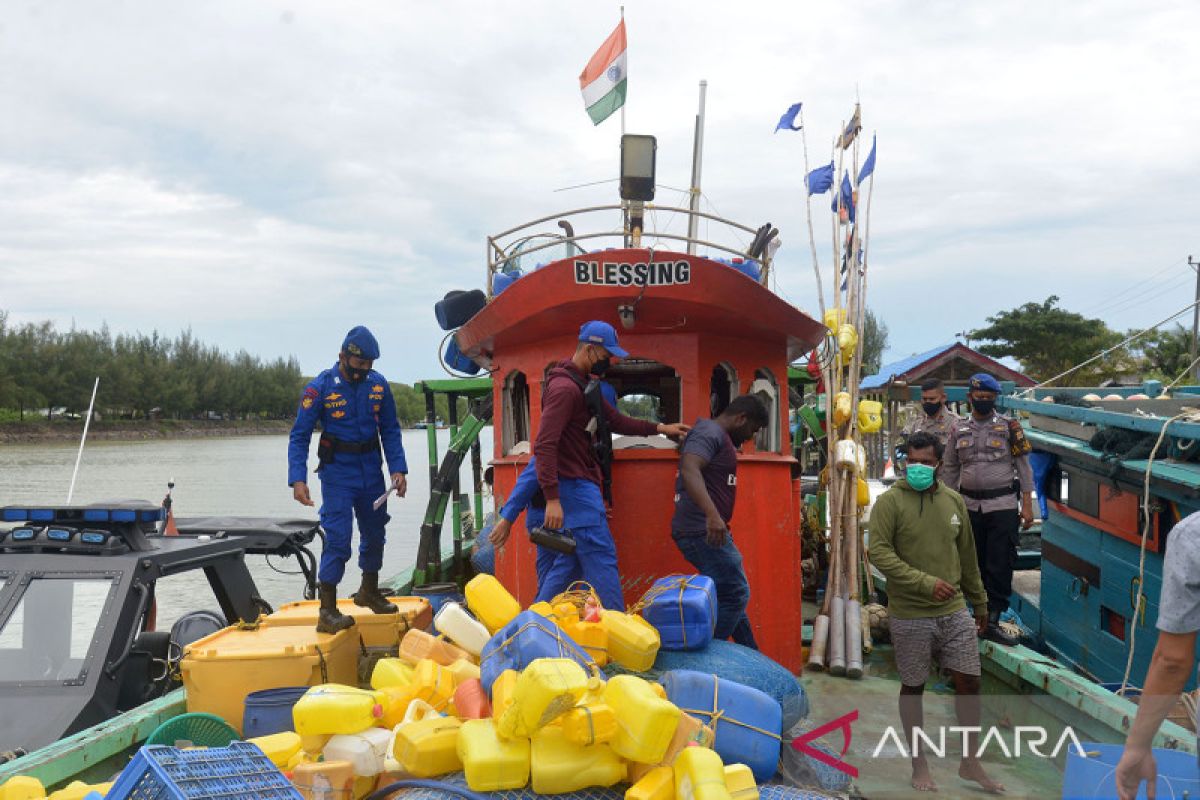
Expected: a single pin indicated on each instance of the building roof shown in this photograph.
(916, 367)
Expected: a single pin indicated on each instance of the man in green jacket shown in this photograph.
(921, 541)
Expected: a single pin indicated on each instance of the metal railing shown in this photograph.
(500, 253)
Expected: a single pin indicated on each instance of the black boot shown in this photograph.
(329, 619)
(995, 633)
(369, 596)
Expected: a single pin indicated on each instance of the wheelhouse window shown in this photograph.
(49, 633)
(766, 388)
(649, 390)
(722, 388)
(516, 412)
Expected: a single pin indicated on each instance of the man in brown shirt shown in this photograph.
(934, 416)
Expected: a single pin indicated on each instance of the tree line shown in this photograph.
(44, 370)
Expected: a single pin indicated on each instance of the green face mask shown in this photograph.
(919, 476)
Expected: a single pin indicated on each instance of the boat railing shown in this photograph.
(505, 249)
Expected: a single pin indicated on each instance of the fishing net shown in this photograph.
(767, 791)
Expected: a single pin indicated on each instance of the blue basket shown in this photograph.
(166, 773)
(269, 711)
(1094, 776)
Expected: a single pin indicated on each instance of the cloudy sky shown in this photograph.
(271, 173)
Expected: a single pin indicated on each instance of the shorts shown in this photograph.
(952, 639)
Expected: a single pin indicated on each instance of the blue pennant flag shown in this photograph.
(788, 120)
(847, 197)
(820, 179)
(868, 166)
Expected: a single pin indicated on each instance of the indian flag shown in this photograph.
(603, 79)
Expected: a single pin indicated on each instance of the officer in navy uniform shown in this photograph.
(357, 413)
(987, 462)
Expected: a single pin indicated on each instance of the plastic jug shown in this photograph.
(490, 601)
(418, 645)
(332, 708)
(492, 764)
(841, 408)
(458, 626)
(391, 673)
(849, 455)
(502, 691)
(395, 705)
(632, 642)
(543, 608)
(22, 787)
(279, 747)
(78, 790)
(690, 731)
(739, 780)
(434, 684)
(558, 766)
(430, 747)
(365, 751)
(589, 724)
(325, 780)
(645, 722)
(463, 670)
(700, 775)
(419, 710)
(657, 784)
(471, 701)
(870, 416)
(546, 689)
(591, 636)
(834, 318)
(847, 342)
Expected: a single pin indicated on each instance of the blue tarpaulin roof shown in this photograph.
(902, 368)
(896, 368)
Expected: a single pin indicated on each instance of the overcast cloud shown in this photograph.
(271, 173)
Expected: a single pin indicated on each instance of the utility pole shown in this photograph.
(1195, 265)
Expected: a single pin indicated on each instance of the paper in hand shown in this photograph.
(382, 499)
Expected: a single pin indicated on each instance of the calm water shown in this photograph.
(241, 476)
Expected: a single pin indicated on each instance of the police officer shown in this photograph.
(357, 413)
(935, 416)
(987, 461)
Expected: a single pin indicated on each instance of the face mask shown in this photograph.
(738, 437)
(931, 409)
(601, 366)
(984, 406)
(919, 476)
(356, 375)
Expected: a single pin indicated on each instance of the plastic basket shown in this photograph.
(202, 730)
(166, 773)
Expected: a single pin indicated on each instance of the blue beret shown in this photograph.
(984, 383)
(361, 342)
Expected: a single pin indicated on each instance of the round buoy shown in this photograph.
(878, 616)
(1113, 397)
(1047, 399)
(1091, 397)
(1138, 396)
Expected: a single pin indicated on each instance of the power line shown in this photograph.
(1119, 297)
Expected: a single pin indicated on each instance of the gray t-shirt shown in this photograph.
(1179, 605)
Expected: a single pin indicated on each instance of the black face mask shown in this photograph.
(931, 409)
(601, 367)
(984, 406)
(354, 375)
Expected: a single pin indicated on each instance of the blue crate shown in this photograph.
(168, 773)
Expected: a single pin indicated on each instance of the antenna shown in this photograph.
(79, 455)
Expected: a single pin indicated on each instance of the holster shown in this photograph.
(325, 449)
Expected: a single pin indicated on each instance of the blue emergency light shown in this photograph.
(93, 537)
(60, 534)
(23, 534)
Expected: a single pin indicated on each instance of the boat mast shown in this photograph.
(697, 159)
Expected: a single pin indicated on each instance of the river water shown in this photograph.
(228, 476)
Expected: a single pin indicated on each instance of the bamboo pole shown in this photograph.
(812, 239)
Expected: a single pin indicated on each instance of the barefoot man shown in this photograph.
(921, 541)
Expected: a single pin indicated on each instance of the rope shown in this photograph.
(1182, 375)
(558, 635)
(718, 715)
(1147, 518)
(664, 585)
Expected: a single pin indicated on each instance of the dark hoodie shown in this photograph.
(563, 446)
(918, 537)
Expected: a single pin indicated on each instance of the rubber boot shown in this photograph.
(369, 596)
(329, 619)
(995, 633)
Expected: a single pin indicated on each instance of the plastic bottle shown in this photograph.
(279, 747)
(492, 764)
(591, 636)
(419, 710)
(645, 722)
(366, 751)
(471, 701)
(463, 670)
(589, 724)
(502, 692)
(391, 673)
(434, 684)
(558, 766)
(632, 642)
(395, 705)
(458, 626)
(22, 787)
(418, 645)
(324, 780)
(332, 708)
(700, 775)
(739, 780)
(545, 690)
(430, 747)
(591, 609)
(657, 784)
(491, 602)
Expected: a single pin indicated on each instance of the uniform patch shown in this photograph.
(375, 397)
(333, 396)
(377, 388)
(338, 414)
(307, 402)
(310, 392)
(375, 407)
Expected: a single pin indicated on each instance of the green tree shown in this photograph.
(874, 342)
(1048, 340)
(1166, 354)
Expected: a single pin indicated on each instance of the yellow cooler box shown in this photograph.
(376, 630)
(222, 668)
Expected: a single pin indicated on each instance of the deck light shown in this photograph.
(637, 167)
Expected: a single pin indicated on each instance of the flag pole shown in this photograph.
(812, 239)
(626, 102)
(79, 455)
(697, 161)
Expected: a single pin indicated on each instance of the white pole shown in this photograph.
(812, 240)
(626, 100)
(79, 455)
(697, 161)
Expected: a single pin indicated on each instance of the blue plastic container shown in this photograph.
(457, 307)
(237, 771)
(528, 637)
(438, 594)
(684, 610)
(270, 711)
(1096, 776)
(503, 280)
(747, 267)
(748, 724)
(457, 361)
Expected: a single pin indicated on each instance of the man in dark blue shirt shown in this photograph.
(705, 490)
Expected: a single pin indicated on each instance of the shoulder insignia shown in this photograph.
(307, 402)
(309, 391)
(377, 388)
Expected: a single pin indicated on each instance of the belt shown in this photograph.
(987, 494)
(369, 446)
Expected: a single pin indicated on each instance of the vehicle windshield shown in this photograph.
(50, 631)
